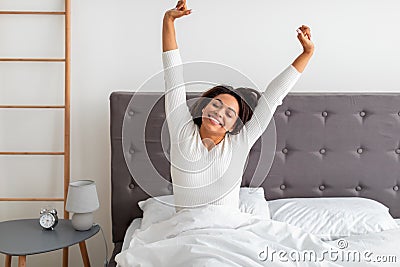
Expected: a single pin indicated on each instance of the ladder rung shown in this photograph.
(31, 199)
(33, 59)
(32, 13)
(30, 153)
(31, 106)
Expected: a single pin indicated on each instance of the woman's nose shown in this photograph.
(220, 112)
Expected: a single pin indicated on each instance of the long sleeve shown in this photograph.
(270, 99)
(176, 110)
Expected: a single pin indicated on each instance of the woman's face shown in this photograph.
(220, 114)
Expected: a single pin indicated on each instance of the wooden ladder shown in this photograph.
(66, 107)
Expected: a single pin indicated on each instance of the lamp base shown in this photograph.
(82, 221)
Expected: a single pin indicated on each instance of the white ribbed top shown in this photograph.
(199, 176)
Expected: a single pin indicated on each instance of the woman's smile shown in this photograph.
(214, 121)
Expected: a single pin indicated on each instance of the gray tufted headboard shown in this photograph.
(327, 145)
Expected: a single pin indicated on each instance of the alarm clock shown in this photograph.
(48, 219)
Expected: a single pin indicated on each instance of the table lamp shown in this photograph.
(82, 201)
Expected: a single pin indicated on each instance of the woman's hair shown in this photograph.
(247, 99)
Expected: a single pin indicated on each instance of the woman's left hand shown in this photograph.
(304, 36)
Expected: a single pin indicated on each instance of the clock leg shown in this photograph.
(22, 261)
(85, 257)
(8, 261)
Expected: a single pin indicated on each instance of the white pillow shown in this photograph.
(156, 209)
(333, 218)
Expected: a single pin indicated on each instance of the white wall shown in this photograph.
(116, 45)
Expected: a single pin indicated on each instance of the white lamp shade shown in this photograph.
(82, 197)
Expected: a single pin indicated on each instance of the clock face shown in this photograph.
(47, 220)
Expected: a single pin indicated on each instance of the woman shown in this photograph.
(210, 143)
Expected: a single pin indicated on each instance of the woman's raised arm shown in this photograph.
(176, 109)
(168, 33)
(279, 87)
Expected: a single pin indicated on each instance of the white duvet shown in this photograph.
(218, 236)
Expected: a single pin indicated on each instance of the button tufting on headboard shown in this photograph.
(396, 188)
(324, 114)
(359, 150)
(358, 188)
(362, 113)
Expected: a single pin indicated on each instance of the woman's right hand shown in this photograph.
(179, 11)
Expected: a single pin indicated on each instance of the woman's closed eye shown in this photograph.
(216, 105)
(228, 114)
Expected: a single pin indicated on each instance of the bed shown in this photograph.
(329, 145)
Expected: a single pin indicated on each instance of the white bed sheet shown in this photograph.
(194, 237)
(135, 224)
